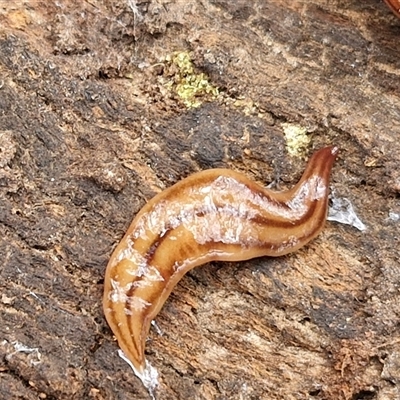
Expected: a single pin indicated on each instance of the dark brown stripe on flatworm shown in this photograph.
(177, 189)
(122, 337)
(259, 220)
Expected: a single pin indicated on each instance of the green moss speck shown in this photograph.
(191, 87)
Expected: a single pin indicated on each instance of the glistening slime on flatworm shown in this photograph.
(216, 214)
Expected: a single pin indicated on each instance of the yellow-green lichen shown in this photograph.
(191, 87)
(297, 139)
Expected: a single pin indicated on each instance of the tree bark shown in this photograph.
(97, 116)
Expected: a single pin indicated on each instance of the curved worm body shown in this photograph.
(216, 214)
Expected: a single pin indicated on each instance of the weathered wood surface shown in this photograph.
(90, 129)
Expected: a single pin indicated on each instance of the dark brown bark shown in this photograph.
(91, 125)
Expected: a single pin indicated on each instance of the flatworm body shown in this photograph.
(216, 214)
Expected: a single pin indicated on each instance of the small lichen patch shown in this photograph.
(297, 139)
(191, 87)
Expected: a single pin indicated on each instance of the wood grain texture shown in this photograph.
(92, 128)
